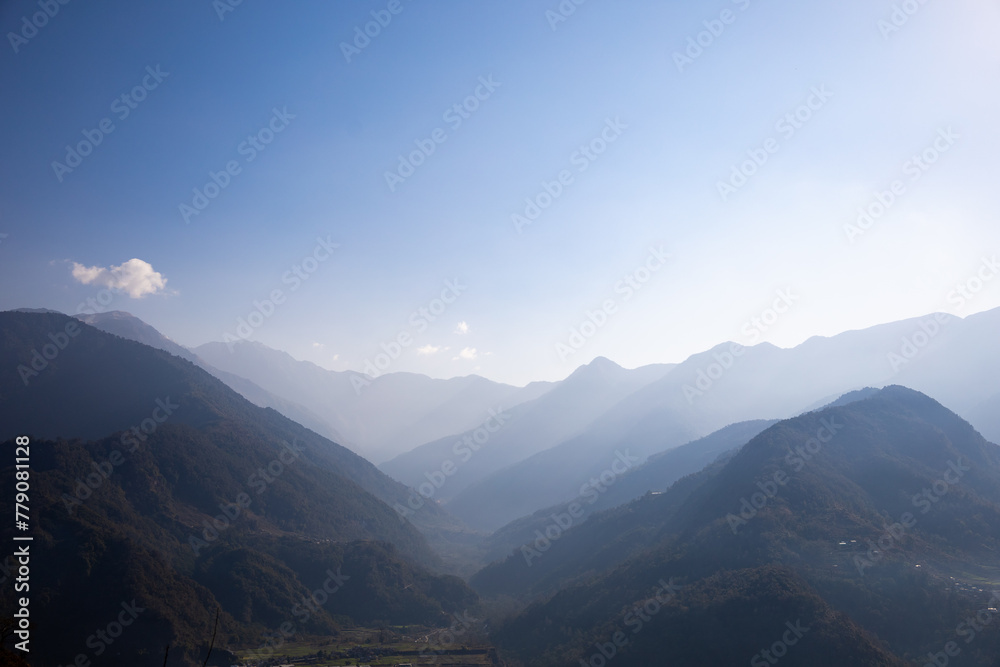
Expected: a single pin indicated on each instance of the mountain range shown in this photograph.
(559, 435)
(954, 360)
(155, 485)
(378, 417)
(527, 429)
(774, 492)
(874, 523)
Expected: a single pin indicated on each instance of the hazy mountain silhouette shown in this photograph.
(956, 360)
(529, 428)
(656, 475)
(379, 417)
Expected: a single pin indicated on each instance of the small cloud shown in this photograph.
(319, 346)
(468, 353)
(336, 357)
(462, 328)
(428, 349)
(134, 277)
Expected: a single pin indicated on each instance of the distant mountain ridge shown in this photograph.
(958, 362)
(303, 391)
(569, 437)
(529, 428)
(392, 414)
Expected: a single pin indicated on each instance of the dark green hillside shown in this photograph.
(209, 501)
(102, 384)
(866, 477)
(726, 619)
(656, 475)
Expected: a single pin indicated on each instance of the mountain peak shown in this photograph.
(598, 367)
(852, 396)
(128, 326)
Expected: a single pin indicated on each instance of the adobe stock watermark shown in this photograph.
(912, 345)
(760, 324)
(31, 26)
(104, 637)
(637, 617)
(122, 106)
(258, 482)
(697, 44)
(590, 492)
(223, 7)
(562, 12)
(363, 35)
(96, 305)
(250, 148)
(454, 116)
(450, 636)
(596, 319)
(969, 289)
(969, 629)
(419, 321)
(924, 501)
(581, 158)
(779, 649)
(951, 476)
(796, 460)
(58, 341)
(294, 277)
(751, 331)
(312, 603)
(929, 327)
(915, 167)
(86, 487)
(787, 126)
(900, 16)
(464, 449)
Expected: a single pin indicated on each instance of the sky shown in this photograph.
(549, 182)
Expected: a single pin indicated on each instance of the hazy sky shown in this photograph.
(641, 138)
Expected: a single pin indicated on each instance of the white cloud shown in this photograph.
(134, 277)
(462, 328)
(468, 353)
(319, 346)
(428, 349)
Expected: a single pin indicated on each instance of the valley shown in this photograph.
(837, 518)
(499, 334)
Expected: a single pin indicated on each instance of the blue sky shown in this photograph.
(554, 87)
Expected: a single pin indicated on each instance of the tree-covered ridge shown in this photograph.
(192, 499)
(835, 498)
